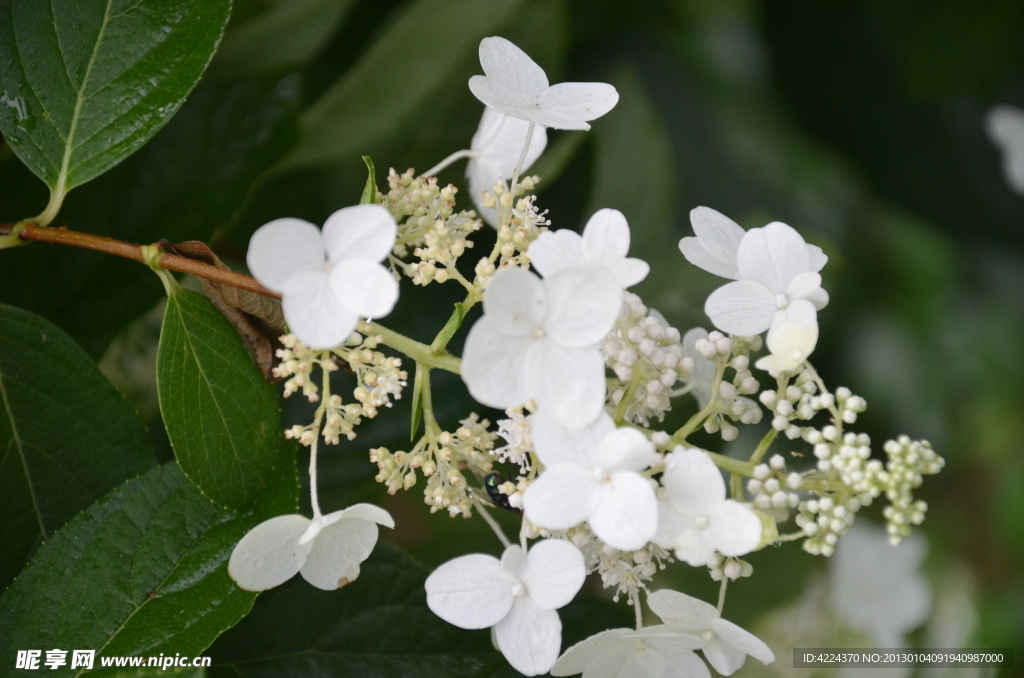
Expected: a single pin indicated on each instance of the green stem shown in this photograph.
(419, 352)
(763, 446)
(736, 487)
(696, 420)
(429, 422)
(620, 410)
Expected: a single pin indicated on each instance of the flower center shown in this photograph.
(538, 333)
(781, 301)
(518, 590)
(601, 474)
(707, 636)
(701, 522)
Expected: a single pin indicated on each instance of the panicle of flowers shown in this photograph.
(428, 225)
(908, 461)
(516, 432)
(380, 376)
(441, 459)
(773, 491)
(515, 232)
(714, 351)
(297, 363)
(646, 355)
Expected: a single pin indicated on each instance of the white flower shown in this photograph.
(593, 474)
(877, 587)
(517, 596)
(697, 520)
(651, 652)
(331, 278)
(718, 240)
(538, 340)
(326, 550)
(725, 645)
(790, 344)
(777, 283)
(605, 242)
(495, 151)
(517, 86)
(1005, 126)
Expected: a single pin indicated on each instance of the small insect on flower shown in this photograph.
(493, 483)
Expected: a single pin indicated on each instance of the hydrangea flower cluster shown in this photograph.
(583, 370)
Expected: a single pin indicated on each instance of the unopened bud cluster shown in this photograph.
(775, 492)
(824, 521)
(441, 459)
(908, 461)
(380, 376)
(646, 356)
(516, 432)
(731, 404)
(297, 363)
(719, 566)
(515, 233)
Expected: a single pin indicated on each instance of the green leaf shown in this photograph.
(370, 190)
(271, 35)
(417, 400)
(87, 82)
(67, 437)
(220, 414)
(188, 181)
(142, 572)
(397, 76)
(378, 627)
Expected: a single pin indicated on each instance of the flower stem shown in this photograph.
(98, 243)
(457, 155)
(620, 409)
(696, 420)
(325, 396)
(426, 398)
(489, 519)
(721, 593)
(419, 352)
(634, 595)
(763, 446)
(522, 156)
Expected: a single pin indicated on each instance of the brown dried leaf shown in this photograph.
(257, 319)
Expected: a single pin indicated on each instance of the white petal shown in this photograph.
(374, 514)
(359, 232)
(718, 239)
(735, 528)
(554, 251)
(513, 561)
(630, 271)
(365, 287)
(695, 547)
(557, 444)
(469, 592)
(482, 175)
(803, 285)
(743, 640)
(818, 298)
(606, 237)
(693, 482)
(773, 256)
(743, 308)
(583, 304)
(500, 138)
(726, 659)
(554, 573)
(502, 98)
(529, 637)
(800, 312)
(817, 257)
(515, 302)
(669, 657)
(269, 554)
(627, 516)
(690, 614)
(626, 449)
(561, 497)
(512, 67)
(566, 383)
(494, 366)
(280, 249)
(569, 104)
(596, 649)
(337, 551)
(313, 311)
(671, 525)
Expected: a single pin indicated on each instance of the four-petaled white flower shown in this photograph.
(537, 340)
(877, 587)
(605, 242)
(777, 283)
(718, 241)
(495, 151)
(725, 645)
(328, 279)
(593, 474)
(326, 550)
(1005, 126)
(516, 596)
(696, 519)
(650, 652)
(517, 86)
(790, 344)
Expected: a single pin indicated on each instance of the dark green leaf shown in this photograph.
(271, 35)
(142, 572)
(370, 190)
(378, 627)
(67, 437)
(190, 180)
(87, 82)
(397, 76)
(221, 416)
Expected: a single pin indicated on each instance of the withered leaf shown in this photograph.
(257, 319)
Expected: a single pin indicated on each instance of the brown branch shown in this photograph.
(131, 251)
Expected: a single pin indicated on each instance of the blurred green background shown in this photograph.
(859, 123)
